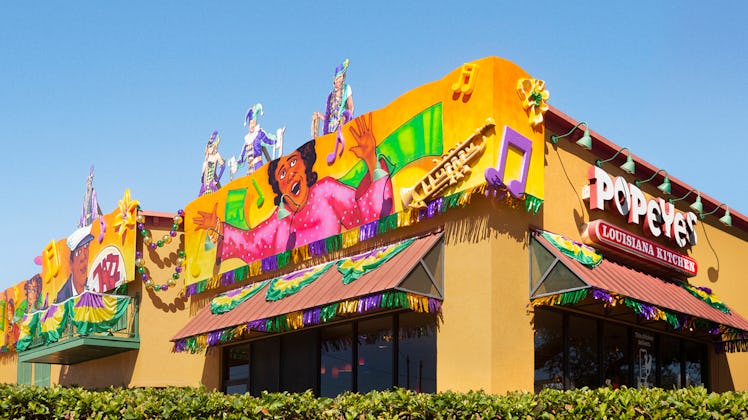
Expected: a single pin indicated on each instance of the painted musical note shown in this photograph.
(466, 80)
(50, 261)
(260, 195)
(497, 178)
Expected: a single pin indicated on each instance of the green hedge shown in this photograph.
(29, 402)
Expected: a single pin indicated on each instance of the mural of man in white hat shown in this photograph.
(78, 242)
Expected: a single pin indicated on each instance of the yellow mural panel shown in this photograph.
(473, 127)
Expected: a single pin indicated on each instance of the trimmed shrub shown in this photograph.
(30, 402)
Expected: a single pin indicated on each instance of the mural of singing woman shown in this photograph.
(308, 209)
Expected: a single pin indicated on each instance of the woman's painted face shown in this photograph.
(338, 81)
(292, 182)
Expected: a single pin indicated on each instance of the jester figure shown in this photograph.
(339, 109)
(91, 209)
(213, 166)
(255, 141)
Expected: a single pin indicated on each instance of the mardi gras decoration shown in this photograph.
(290, 210)
(255, 143)
(125, 218)
(387, 300)
(227, 301)
(213, 166)
(355, 267)
(154, 245)
(533, 94)
(584, 254)
(294, 282)
(339, 108)
(307, 208)
(449, 170)
(88, 313)
(91, 209)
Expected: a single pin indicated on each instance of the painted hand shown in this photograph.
(366, 147)
(206, 220)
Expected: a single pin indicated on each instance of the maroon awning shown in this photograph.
(623, 280)
(328, 288)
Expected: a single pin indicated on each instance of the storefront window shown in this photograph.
(236, 369)
(336, 360)
(417, 352)
(695, 363)
(594, 352)
(582, 352)
(375, 347)
(299, 361)
(371, 354)
(670, 372)
(616, 358)
(645, 359)
(549, 350)
(266, 369)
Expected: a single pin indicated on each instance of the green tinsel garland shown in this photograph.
(532, 204)
(328, 312)
(572, 298)
(284, 258)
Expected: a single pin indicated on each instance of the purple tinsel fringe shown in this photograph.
(318, 248)
(227, 278)
(368, 231)
(214, 337)
(258, 325)
(599, 294)
(435, 305)
(269, 263)
(369, 303)
(648, 311)
(312, 316)
(180, 345)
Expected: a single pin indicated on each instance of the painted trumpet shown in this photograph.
(450, 169)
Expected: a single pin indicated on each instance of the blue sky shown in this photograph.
(136, 88)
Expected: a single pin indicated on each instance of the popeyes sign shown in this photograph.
(657, 216)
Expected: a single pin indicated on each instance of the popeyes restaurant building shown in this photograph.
(466, 236)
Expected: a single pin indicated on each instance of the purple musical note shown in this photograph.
(496, 178)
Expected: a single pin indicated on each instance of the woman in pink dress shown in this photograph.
(308, 209)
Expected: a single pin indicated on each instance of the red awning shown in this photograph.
(327, 289)
(614, 277)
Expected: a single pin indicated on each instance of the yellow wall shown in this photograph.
(486, 339)
(8, 368)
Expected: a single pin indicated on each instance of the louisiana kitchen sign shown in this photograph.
(602, 233)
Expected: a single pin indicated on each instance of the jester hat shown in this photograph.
(252, 113)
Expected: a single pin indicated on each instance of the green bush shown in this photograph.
(30, 402)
